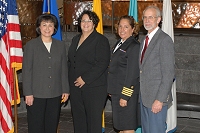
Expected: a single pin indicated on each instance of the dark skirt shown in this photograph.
(126, 118)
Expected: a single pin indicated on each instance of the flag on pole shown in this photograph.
(97, 10)
(10, 58)
(167, 27)
(133, 11)
(50, 6)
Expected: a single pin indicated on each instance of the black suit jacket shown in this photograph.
(123, 73)
(90, 60)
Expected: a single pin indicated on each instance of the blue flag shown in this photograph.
(133, 11)
(50, 6)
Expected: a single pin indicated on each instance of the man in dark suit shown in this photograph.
(156, 73)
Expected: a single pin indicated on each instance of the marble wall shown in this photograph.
(187, 59)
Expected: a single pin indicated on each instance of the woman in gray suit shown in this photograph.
(89, 56)
(45, 77)
(123, 76)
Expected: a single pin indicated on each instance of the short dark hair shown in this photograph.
(92, 16)
(132, 22)
(47, 17)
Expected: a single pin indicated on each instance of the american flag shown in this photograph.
(10, 59)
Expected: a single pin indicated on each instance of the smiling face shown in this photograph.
(124, 29)
(151, 19)
(46, 28)
(86, 24)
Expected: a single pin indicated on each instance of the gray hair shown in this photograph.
(158, 12)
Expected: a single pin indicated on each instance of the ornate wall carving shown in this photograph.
(186, 13)
(28, 11)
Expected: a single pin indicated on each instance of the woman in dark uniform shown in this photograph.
(123, 76)
(89, 56)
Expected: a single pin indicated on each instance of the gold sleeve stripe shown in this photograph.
(127, 92)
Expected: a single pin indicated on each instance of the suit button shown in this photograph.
(49, 67)
(167, 98)
(140, 71)
(132, 87)
(108, 72)
(49, 86)
(49, 57)
(50, 77)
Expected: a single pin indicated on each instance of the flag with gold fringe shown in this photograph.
(10, 61)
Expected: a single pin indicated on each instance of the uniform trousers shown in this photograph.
(151, 122)
(43, 115)
(87, 105)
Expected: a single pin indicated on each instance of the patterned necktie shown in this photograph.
(145, 47)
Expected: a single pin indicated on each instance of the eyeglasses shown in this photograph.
(148, 17)
(86, 21)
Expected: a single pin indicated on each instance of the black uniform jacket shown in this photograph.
(123, 73)
(90, 60)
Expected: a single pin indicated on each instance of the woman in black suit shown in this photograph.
(123, 77)
(88, 56)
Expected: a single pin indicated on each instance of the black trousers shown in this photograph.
(43, 115)
(87, 105)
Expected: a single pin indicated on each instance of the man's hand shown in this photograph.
(157, 106)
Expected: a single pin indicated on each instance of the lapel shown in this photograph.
(54, 47)
(42, 46)
(115, 46)
(87, 41)
(124, 45)
(75, 43)
(141, 46)
(151, 45)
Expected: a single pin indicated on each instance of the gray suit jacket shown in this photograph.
(44, 74)
(157, 70)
